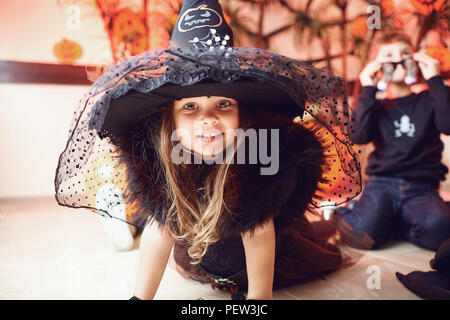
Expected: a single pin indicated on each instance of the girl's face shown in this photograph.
(206, 125)
(395, 52)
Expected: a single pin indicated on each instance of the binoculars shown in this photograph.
(388, 69)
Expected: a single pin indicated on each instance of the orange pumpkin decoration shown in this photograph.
(67, 51)
(130, 31)
(425, 7)
(358, 27)
(442, 54)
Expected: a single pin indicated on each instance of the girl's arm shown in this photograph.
(260, 260)
(155, 248)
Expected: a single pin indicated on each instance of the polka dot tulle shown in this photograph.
(88, 176)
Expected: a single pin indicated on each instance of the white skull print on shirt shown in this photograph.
(404, 127)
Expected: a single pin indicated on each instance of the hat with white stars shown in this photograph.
(202, 24)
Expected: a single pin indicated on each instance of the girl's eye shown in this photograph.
(223, 104)
(190, 106)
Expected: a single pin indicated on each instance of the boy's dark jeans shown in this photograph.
(393, 206)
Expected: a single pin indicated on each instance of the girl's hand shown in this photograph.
(429, 66)
(367, 77)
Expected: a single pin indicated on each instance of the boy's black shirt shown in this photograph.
(405, 132)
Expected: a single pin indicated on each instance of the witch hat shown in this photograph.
(202, 24)
(202, 61)
(202, 31)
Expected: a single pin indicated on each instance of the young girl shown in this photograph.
(228, 216)
(216, 168)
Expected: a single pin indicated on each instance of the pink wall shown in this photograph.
(30, 28)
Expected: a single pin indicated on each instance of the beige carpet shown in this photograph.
(52, 252)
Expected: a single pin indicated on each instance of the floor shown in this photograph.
(52, 252)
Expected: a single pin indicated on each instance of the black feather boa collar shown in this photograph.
(283, 196)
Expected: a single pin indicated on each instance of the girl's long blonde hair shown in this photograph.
(194, 216)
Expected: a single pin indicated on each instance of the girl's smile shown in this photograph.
(211, 136)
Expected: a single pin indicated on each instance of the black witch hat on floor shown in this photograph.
(201, 61)
(431, 285)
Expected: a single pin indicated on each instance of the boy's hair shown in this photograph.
(395, 36)
(388, 38)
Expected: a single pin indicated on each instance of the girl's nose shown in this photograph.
(209, 119)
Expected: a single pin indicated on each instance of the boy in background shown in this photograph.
(401, 197)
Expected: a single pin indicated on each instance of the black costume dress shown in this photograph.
(302, 250)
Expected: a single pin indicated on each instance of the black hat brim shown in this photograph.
(431, 285)
(250, 94)
(441, 260)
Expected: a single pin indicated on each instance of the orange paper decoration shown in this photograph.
(173, 19)
(427, 6)
(359, 27)
(67, 51)
(387, 6)
(442, 54)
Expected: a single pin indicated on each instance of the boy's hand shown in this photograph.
(429, 66)
(367, 77)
